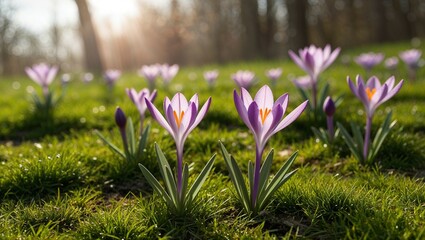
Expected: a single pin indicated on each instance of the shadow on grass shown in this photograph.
(36, 126)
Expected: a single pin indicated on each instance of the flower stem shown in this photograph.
(314, 96)
(330, 123)
(254, 191)
(124, 138)
(367, 137)
(142, 119)
(179, 170)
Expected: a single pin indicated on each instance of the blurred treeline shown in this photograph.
(214, 31)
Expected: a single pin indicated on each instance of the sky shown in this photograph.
(38, 15)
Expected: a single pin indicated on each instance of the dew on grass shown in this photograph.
(414, 109)
(102, 108)
(38, 145)
(317, 140)
(360, 112)
(95, 110)
(82, 120)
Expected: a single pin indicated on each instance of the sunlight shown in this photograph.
(114, 13)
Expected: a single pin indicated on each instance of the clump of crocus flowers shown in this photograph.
(372, 94)
(181, 118)
(411, 58)
(369, 60)
(264, 117)
(391, 63)
(44, 75)
(111, 76)
(314, 60)
(138, 98)
(244, 79)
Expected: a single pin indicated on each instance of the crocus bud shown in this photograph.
(329, 106)
(120, 118)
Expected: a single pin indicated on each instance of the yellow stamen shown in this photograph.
(263, 115)
(178, 118)
(370, 93)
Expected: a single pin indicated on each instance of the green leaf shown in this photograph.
(323, 94)
(110, 144)
(143, 141)
(196, 186)
(265, 172)
(162, 161)
(185, 181)
(318, 133)
(236, 177)
(251, 175)
(305, 96)
(277, 181)
(155, 184)
(380, 136)
(171, 186)
(350, 143)
(130, 137)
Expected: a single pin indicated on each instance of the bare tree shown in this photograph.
(297, 23)
(91, 49)
(250, 38)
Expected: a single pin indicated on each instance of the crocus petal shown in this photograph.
(373, 82)
(283, 101)
(169, 114)
(264, 98)
(394, 91)
(246, 98)
(253, 118)
(270, 126)
(33, 75)
(51, 74)
(240, 107)
(195, 100)
(158, 117)
(291, 117)
(297, 60)
(179, 102)
(353, 88)
(166, 103)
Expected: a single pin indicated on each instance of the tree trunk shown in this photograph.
(93, 61)
(297, 23)
(250, 37)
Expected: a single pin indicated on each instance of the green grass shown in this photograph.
(59, 181)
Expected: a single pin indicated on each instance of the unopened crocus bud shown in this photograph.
(120, 118)
(329, 106)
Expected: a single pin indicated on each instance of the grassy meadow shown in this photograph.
(60, 181)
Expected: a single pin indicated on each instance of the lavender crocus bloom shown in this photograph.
(244, 79)
(372, 94)
(181, 117)
(43, 75)
(263, 116)
(391, 63)
(111, 76)
(329, 109)
(313, 61)
(150, 72)
(274, 74)
(211, 77)
(138, 98)
(303, 82)
(411, 58)
(169, 72)
(121, 121)
(369, 60)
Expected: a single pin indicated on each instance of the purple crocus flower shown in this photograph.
(369, 60)
(303, 82)
(274, 74)
(329, 109)
(138, 98)
(169, 72)
(244, 79)
(313, 61)
(211, 77)
(111, 76)
(121, 121)
(391, 63)
(150, 72)
(411, 58)
(263, 116)
(181, 117)
(372, 94)
(43, 75)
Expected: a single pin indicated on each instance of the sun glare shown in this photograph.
(114, 13)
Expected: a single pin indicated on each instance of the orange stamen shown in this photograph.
(370, 93)
(178, 118)
(263, 115)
